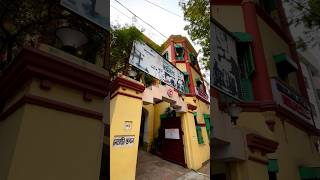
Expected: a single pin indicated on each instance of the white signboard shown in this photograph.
(96, 11)
(225, 71)
(123, 141)
(146, 59)
(171, 134)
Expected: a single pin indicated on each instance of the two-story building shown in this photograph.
(275, 135)
(160, 119)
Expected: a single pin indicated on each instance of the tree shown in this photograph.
(307, 13)
(197, 13)
(25, 23)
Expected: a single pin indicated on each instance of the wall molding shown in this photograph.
(263, 144)
(50, 104)
(33, 63)
(126, 83)
(258, 160)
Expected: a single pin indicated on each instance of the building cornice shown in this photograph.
(125, 82)
(33, 63)
(263, 144)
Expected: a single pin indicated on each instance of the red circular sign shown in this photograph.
(170, 92)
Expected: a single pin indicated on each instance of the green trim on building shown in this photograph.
(273, 165)
(309, 173)
(208, 124)
(243, 37)
(199, 135)
(206, 116)
(163, 116)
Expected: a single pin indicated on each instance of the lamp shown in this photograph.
(71, 39)
(132, 73)
(234, 112)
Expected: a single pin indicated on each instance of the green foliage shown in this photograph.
(197, 13)
(122, 39)
(121, 46)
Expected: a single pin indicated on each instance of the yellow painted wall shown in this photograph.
(123, 160)
(56, 145)
(257, 171)
(159, 109)
(195, 154)
(230, 17)
(182, 67)
(150, 109)
(295, 149)
(254, 121)
(273, 44)
(9, 130)
(42, 143)
(195, 75)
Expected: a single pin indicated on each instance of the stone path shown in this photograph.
(151, 167)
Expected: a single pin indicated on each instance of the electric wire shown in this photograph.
(141, 19)
(163, 8)
(137, 23)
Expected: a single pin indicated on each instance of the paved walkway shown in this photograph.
(151, 167)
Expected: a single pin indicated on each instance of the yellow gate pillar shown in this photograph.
(51, 112)
(125, 117)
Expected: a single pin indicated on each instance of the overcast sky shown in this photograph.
(164, 22)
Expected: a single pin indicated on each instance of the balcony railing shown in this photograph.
(202, 93)
(289, 99)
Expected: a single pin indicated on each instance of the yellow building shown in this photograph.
(159, 119)
(275, 135)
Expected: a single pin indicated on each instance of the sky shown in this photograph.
(164, 22)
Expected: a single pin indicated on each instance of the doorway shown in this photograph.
(143, 135)
(171, 137)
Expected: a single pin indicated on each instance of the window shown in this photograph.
(198, 129)
(186, 82)
(247, 67)
(193, 59)
(166, 56)
(268, 5)
(179, 51)
(285, 65)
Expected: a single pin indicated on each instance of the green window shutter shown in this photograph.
(307, 173)
(249, 62)
(246, 90)
(186, 82)
(163, 116)
(208, 126)
(243, 37)
(199, 135)
(273, 165)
